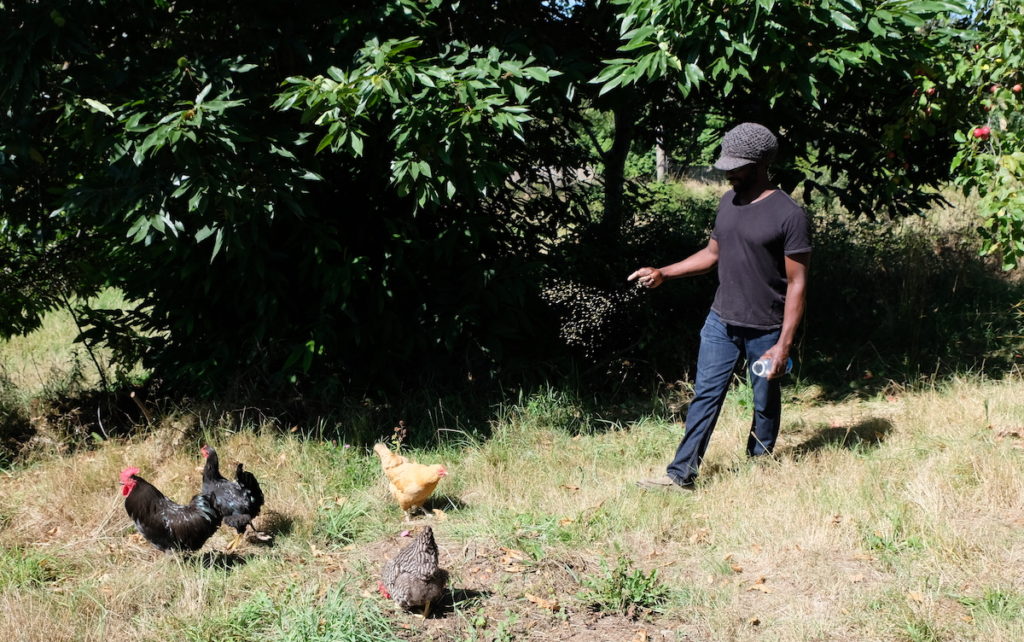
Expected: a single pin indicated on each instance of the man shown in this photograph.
(761, 246)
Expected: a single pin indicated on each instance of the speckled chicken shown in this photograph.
(238, 501)
(413, 579)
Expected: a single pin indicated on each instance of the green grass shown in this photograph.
(907, 535)
(622, 589)
(22, 568)
(891, 514)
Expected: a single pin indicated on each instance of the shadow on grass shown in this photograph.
(462, 598)
(273, 523)
(446, 503)
(869, 433)
(219, 560)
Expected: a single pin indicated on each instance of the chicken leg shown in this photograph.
(234, 543)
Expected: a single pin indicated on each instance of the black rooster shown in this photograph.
(165, 524)
(238, 501)
(412, 579)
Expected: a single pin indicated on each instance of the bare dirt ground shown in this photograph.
(498, 593)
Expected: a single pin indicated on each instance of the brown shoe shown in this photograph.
(663, 483)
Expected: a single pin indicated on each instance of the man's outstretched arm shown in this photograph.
(697, 263)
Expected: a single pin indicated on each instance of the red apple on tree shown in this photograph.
(982, 132)
(1016, 88)
(994, 88)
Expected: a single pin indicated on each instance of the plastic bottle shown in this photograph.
(763, 366)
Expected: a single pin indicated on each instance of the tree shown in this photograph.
(838, 79)
(371, 195)
(990, 160)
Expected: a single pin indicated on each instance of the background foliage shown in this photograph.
(319, 200)
(991, 156)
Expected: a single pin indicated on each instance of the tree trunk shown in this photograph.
(660, 156)
(615, 174)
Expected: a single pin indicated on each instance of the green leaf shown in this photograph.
(610, 85)
(217, 242)
(538, 73)
(694, 74)
(843, 20)
(876, 28)
(203, 233)
(203, 93)
(325, 142)
(98, 106)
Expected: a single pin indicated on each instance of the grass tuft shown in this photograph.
(624, 589)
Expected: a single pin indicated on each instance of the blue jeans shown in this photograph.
(721, 346)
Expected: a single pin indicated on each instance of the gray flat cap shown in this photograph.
(746, 143)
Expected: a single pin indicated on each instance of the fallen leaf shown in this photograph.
(53, 531)
(294, 429)
(917, 597)
(753, 621)
(760, 587)
(859, 577)
(700, 536)
(439, 515)
(736, 568)
(565, 522)
(570, 487)
(512, 553)
(551, 605)
(640, 636)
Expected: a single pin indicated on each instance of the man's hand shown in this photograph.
(647, 277)
(779, 356)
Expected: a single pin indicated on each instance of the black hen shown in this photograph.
(165, 524)
(238, 501)
(413, 579)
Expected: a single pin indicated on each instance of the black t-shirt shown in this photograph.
(753, 241)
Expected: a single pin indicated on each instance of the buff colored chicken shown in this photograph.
(411, 484)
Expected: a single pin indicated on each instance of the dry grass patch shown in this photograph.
(897, 518)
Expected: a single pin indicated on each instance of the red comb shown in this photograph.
(127, 473)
